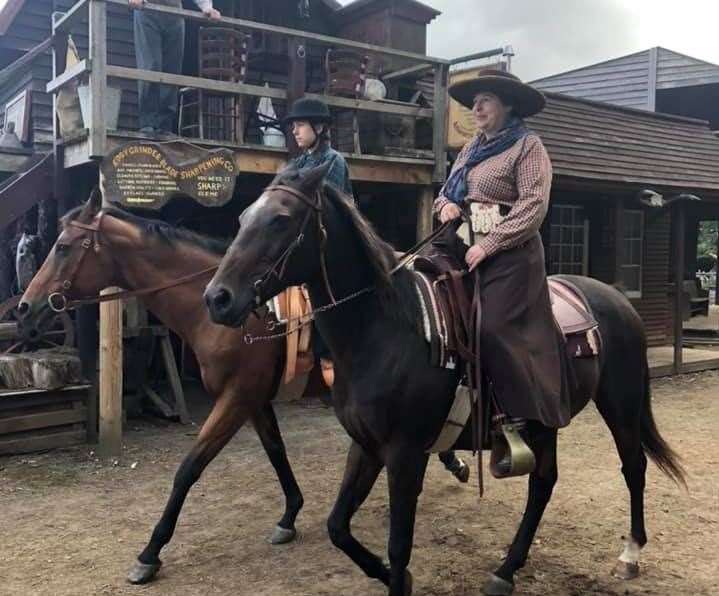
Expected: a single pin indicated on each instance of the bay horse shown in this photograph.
(98, 248)
(388, 398)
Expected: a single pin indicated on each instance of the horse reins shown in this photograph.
(315, 206)
(59, 302)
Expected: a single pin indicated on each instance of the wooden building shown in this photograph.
(603, 157)
(395, 147)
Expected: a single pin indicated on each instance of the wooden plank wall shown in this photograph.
(655, 305)
(623, 81)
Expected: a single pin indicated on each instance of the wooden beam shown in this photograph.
(618, 241)
(286, 31)
(98, 77)
(425, 199)
(123, 72)
(439, 136)
(388, 107)
(678, 238)
(397, 173)
(296, 84)
(82, 67)
(477, 56)
(168, 357)
(652, 79)
(75, 12)
(405, 72)
(110, 426)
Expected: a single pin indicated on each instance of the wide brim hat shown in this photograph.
(525, 99)
(312, 110)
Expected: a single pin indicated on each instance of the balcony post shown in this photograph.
(297, 81)
(97, 133)
(439, 139)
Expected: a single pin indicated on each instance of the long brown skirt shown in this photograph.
(522, 350)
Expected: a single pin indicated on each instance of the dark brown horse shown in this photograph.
(388, 398)
(101, 248)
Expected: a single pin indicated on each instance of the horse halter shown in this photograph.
(58, 301)
(277, 270)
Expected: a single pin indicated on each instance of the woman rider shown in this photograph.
(502, 180)
(309, 120)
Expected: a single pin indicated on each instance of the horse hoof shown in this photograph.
(282, 535)
(496, 586)
(624, 570)
(141, 573)
(462, 473)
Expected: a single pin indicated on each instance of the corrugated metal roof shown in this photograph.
(598, 141)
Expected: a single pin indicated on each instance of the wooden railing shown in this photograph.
(96, 68)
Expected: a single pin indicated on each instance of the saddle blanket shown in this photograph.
(571, 313)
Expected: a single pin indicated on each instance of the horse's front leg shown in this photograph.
(361, 472)
(223, 422)
(405, 473)
(268, 430)
(541, 483)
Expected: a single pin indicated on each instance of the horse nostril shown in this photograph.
(219, 299)
(23, 309)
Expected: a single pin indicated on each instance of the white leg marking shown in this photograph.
(631, 552)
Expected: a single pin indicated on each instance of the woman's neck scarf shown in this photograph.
(455, 189)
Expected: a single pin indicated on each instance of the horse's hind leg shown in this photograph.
(361, 472)
(268, 430)
(541, 483)
(405, 473)
(617, 409)
(456, 465)
(222, 423)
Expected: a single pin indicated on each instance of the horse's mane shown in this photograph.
(396, 293)
(160, 230)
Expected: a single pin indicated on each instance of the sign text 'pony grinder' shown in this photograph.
(147, 175)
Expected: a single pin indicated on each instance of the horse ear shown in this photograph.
(312, 179)
(93, 204)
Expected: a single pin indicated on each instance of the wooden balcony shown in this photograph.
(419, 165)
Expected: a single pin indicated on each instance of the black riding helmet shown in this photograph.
(314, 111)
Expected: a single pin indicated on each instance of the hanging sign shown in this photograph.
(147, 175)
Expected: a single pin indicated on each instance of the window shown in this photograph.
(569, 240)
(631, 268)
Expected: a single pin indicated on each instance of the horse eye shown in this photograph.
(62, 249)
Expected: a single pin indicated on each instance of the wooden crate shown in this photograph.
(35, 419)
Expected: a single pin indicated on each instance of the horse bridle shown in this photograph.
(277, 269)
(59, 302)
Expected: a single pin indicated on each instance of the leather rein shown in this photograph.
(59, 302)
(278, 268)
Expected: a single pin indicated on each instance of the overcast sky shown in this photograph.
(550, 36)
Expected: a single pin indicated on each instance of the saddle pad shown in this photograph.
(434, 323)
(570, 309)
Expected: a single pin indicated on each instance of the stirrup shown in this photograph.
(511, 456)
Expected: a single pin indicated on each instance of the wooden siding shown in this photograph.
(601, 142)
(677, 70)
(623, 81)
(655, 305)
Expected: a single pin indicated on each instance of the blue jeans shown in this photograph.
(159, 46)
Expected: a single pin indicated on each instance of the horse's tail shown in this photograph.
(654, 444)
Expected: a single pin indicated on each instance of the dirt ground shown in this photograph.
(71, 525)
